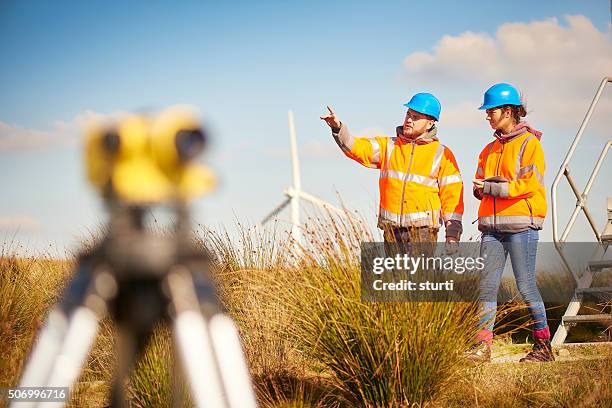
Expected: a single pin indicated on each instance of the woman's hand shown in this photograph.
(478, 188)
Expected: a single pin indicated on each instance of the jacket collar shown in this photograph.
(519, 130)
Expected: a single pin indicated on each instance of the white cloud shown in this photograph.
(557, 66)
(14, 137)
(22, 223)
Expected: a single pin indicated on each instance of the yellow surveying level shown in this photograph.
(141, 159)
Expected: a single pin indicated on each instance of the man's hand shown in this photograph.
(331, 119)
(478, 183)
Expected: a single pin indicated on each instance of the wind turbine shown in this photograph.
(294, 192)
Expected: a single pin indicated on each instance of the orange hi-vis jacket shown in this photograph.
(514, 200)
(420, 184)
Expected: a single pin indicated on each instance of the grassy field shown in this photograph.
(309, 340)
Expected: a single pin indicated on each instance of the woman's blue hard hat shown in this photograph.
(499, 95)
(425, 103)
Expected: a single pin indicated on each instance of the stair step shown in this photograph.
(603, 293)
(598, 265)
(588, 318)
(607, 289)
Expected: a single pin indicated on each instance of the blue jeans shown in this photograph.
(522, 246)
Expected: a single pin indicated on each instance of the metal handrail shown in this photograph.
(581, 197)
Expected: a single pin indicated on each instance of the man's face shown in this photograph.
(416, 123)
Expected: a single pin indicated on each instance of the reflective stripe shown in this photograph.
(454, 178)
(480, 172)
(519, 157)
(415, 178)
(527, 169)
(416, 219)
(452, 216)
(510, 219)
(375, 151)
(437, 160)
(389, 149)
(390, 146)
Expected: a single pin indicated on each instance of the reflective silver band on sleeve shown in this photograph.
(375, 151)
(532, 167)
(437, 160)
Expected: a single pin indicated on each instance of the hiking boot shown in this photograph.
(542, 351)
(479, 352)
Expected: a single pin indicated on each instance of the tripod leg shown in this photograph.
(226, 342)
(79, 339)
(60, 325)
(44, 352)
(193, 342)
(232, 365)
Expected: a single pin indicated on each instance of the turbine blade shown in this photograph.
(277, 210)
(327, 206)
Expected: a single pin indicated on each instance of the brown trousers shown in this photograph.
(411, 240)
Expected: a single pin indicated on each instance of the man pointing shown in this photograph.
(420, 184)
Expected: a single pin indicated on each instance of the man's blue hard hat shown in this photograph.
(425, 103)
(499, 95)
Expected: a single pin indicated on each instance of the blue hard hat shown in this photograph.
(425, 103)
(501, 94)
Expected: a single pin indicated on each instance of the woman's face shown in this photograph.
(500, 118)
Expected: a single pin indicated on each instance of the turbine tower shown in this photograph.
(294, 192)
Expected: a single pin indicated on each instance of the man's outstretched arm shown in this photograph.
(365, 151)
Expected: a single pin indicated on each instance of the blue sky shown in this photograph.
(244, 64)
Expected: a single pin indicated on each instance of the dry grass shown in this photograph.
(308, 338)
(583, 383)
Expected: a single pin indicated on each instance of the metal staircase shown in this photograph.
(598, 261)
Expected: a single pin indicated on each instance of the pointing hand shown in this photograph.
(331, 119)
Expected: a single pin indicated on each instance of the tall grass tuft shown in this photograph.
(375, 354)
(372, 354)
(28, 286)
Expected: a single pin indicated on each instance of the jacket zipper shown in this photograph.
(399, 221)
(494, 198)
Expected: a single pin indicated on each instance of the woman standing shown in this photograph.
(509, 183)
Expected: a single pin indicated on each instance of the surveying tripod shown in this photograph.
(140, 278)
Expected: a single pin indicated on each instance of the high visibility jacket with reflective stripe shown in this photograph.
(420, 183)
(520, 203)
